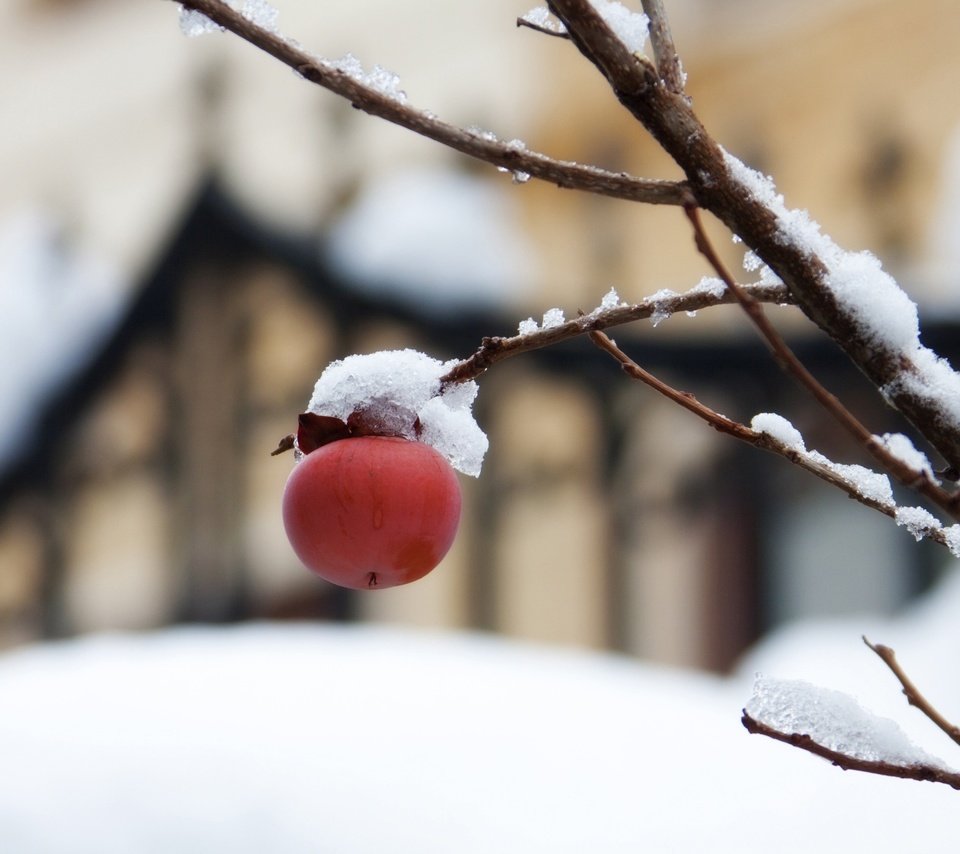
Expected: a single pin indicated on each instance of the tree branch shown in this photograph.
(476, 144)
(718, 184)
(495, 348)
(664, 51)
(923, 773)
(764, 441)
(908, 476)
(912, 693)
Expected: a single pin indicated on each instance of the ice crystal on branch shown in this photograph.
(378, 78)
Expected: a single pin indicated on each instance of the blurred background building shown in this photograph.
(189, 233)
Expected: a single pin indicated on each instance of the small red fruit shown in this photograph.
(371, 511)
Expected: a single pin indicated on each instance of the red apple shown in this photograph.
(372, 511)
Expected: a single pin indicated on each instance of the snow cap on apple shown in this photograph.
(399, 393)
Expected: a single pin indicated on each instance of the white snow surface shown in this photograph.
(399, 387)
(439, 240)
(306, 738)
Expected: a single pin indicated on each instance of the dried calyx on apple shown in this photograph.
(373, 500)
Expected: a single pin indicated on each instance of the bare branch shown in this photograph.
(495, 349)
(912, 693)
(764, 441)
(830, 402)
(923, 773)
(482, 146)
(664, 51)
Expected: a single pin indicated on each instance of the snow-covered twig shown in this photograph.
(836, 475)
(495, 349)
(911, 377)
(919, 772)
(538, 22)
(919, 480)
(834, 726)
(911, 692)
(341, 78)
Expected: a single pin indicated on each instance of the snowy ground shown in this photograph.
(283, 739)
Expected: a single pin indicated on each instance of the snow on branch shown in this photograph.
(771, 432)
(610, 313)
(834, 726)
(378, 93)
(830, 286)
(897, 455)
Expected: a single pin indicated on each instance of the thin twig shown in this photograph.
(482, 146)
(922, 773)
(495, 349)
(908, 476)
(530, 25)
(912, 693)
(764, 441)
(664, 50)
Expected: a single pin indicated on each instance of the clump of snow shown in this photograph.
(401, 390)
(779, 428)
(632, 28)
(917, 521)
(932, 380)
(194, 23)
(611, 299)
(870, 484)
(262, 13)
(660, 312)
(952, 536)
(553, 317)
(440, 240)
(885, 315)
(259, 12)
(903, 449)
(378, 78)
(752, 263)
(540, 17)
(866, 482)
(528, 327)
(833, 720)
(710, 285)
(882, 310)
